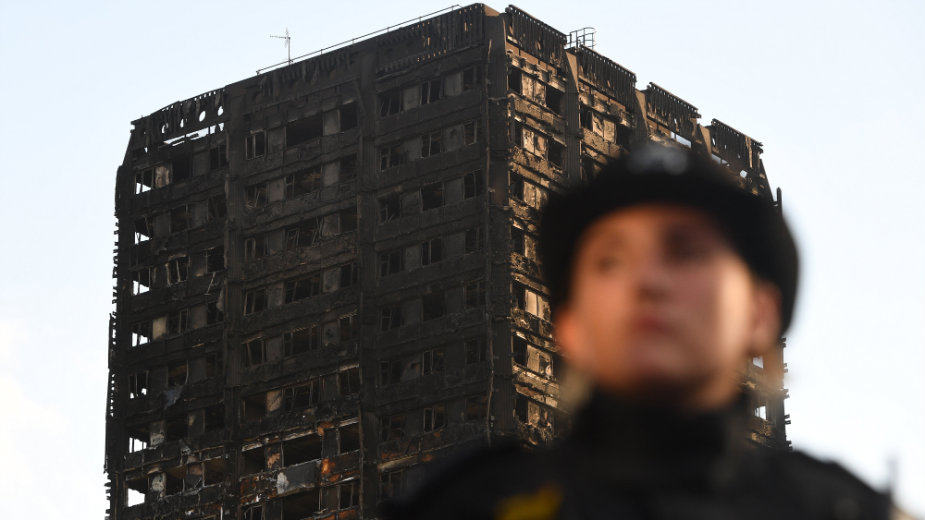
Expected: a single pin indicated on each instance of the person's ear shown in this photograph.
(565, 333)
(575, 383)
(766, 318)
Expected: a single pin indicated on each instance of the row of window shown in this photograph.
(429, 144)
(191, 476)
(297, 289)
(298, 450)
(181, 218)
(455, 83)
(540, 145)
(431, 305)
(394, 426)
(527, 192)
(431, 418)
(305, 129)
(155, 177)
(431, 196)
(195, 475)
(298, 341)
(527, 299)
(429, 252)
(306, 503)
(302, 182)
(259, 350)
(523, 243)
(178, 373)
(414, 366)
(552, 98)
(534, 358)
(307, 448)
(320, 124)
(604, 127)
(178, 426)
(306, 233)
(529, 139)
(162, 174)
(535, 90)
(178, 269)
(536, 414)
(301, 396)
(176, 322)
(291, 186)
(180, 169)
(317, 125)
(330, 122)
(191, 216)
(431, 361)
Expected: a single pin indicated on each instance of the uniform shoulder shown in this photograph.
(827, 470)
(478, 475)
(829, 486)
(473, 464)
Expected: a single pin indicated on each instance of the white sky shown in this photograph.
(834, 90)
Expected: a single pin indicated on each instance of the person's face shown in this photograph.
(662, 308)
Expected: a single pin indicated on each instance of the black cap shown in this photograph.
(660, 173)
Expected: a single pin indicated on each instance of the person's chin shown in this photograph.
(653, 359)
(656, 372)
(656, 381)
(655, 388)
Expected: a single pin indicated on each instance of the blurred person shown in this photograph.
(666, 278)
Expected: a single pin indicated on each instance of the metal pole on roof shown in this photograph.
(288, 44)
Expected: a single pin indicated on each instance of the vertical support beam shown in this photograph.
(232, 289)
(573, 124)
(497, 244)
(367, 312)
(641, 131)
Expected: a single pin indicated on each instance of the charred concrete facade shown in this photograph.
(326, 273)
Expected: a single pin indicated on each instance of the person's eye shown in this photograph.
(607, 262)
(689, 251)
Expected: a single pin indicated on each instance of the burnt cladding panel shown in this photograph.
(670, 110)
(535, 37)
(608, 76)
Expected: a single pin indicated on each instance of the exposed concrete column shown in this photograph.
(497, 270)
(573, 126)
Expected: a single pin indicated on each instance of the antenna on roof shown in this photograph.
(352, 40)
(288, 45)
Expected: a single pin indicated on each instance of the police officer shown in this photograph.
(666, 277)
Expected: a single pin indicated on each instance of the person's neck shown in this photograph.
(653, 441)
(704, 398)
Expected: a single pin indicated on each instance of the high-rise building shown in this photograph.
(326, 273)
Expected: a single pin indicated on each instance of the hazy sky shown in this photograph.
(833, 89)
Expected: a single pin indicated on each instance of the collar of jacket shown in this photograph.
(659, 447)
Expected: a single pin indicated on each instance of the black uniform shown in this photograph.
(623, 461)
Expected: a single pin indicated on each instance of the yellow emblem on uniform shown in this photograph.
(541, 505)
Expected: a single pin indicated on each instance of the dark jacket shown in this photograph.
(630, 462)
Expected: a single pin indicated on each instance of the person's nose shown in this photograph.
(651, 279)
